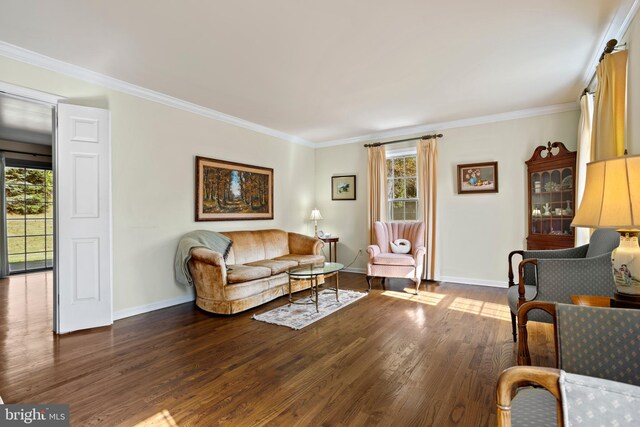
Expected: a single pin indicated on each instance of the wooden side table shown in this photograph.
(591, 301)
(333, 252)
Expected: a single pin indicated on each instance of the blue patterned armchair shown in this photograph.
(597, 376)
(555, 275)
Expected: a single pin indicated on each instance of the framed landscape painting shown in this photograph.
(343, 187)
(478, 178)
(227, 191)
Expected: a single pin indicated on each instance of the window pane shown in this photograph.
(35, 244)
(35, 194)
(389, 189)
(35, 210)
(49, 178)
(49, 256)
(412, 192)
(49, 227)
(14, 192)
(16, 263)
(35, 226)
(398, 166)
(389, 167)
(35, 177)
(35, 261)
(14, 175)
(398, 189)
(49, 243)
(15, 227)
(15, 208)
(398, 211)
(16, 245)
(410, 211)
(411, 166)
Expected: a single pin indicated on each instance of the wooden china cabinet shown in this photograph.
(552, 197)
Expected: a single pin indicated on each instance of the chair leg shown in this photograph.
(513, 326)
(369, 282)
(418, 285)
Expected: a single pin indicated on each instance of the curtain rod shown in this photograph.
(611, 46)
(378, 144)
(25, 152)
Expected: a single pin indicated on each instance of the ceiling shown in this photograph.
(25, 121)
(333, 69)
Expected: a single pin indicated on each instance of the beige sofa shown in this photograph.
(255, 269)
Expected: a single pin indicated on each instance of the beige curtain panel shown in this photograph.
(585, 155)
(427, 196)
(608, 133)
(377, 186)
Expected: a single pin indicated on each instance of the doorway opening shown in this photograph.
(29, 216)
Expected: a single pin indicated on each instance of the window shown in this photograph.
(402, 188)
(29, 197)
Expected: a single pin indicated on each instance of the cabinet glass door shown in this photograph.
(552, 202)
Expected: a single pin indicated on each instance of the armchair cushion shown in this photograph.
(394, 259)
(599, 342)
(534, 407)
(598, 401)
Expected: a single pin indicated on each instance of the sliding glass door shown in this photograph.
(29, 200)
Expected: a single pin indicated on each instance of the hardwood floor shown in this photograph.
(389, 359)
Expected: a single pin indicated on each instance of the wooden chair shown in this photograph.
(555, 275)
(597, 362)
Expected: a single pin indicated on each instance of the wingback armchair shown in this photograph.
(555, 275)
(596, 380)
(384, 263)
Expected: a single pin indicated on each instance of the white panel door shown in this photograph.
(83, 192)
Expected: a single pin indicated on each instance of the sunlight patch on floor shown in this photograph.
(482, 308)
(161, 419)
(423, 297)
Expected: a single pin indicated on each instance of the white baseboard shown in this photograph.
(134, 311)
(358, 270)
(471, 281)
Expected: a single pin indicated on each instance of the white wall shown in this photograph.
(475, 232)
(153, 149)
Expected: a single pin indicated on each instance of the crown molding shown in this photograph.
(472, 121)
(33, 58)
(616, 30)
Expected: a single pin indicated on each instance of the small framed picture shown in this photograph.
(478, 178)
(343, 187)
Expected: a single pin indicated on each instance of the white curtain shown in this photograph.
(585, 155)
(427, 198)
(4, 257)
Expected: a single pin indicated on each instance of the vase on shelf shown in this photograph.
(568, 211)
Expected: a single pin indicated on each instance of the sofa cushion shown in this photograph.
(252, 246)
(241, 273)
(394, 259)
(302, 259)
(276, 266)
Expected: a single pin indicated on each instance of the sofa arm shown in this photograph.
(373, 251)
(208, 256)
(304, 245)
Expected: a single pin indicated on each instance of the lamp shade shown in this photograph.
(315, 215)
(612, 195)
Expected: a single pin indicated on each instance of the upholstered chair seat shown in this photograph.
(384, 263)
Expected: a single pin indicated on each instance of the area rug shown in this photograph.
(297, 316)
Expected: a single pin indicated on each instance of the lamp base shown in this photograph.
(625, 260)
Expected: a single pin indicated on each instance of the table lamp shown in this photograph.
(315, 216)
(612, 200)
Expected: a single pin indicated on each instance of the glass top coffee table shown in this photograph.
(313, 272)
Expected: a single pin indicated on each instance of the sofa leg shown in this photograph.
(369, 282)
(513, 327)
(417, 286)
